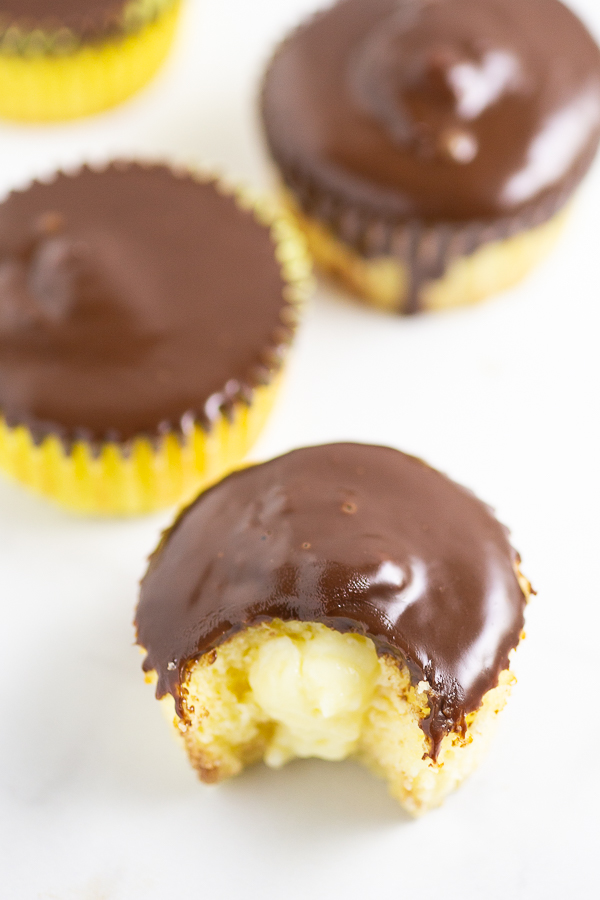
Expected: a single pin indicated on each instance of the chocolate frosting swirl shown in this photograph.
(131, 301)
(359, 538)
(436, 110)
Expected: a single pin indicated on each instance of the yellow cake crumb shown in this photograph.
(383, 281)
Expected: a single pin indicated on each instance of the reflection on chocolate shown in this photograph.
(421, 88)
(360, 538)
(451, 110)
(131, 299)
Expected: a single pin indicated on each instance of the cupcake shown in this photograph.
(339, 601)
(428, 147)
(144, 316)
(65, 58)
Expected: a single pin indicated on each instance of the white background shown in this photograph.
(96, 800)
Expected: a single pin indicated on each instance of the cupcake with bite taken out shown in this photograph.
(338, 601)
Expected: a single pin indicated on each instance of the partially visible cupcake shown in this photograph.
(60, 59)
(338, 601)
(144, 318)
(428, 147)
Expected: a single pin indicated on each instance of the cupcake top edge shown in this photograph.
(436, 110)
(136, 300)
(90, 21)
(360, 538)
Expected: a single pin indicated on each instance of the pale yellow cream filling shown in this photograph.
(316, 692)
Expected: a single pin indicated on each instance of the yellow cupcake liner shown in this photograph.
(41, 83)
(143, 477)
(383, 281)
(147, 474)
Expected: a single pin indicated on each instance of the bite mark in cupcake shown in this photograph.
(343, 600)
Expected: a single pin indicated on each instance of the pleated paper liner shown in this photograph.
(142, 476)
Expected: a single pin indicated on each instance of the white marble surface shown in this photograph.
(96, 801)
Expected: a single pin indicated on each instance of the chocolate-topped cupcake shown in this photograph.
(144, 315)
(342, 600)
(65, 58)
(428, 147)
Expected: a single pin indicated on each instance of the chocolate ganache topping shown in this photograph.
(435, 110)
(85, 18)
(359, 538)
(131, 301)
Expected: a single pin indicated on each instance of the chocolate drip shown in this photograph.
(412, 115)
(132, 300)
(359, 538)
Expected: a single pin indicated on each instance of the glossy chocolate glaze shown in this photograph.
(387, 113)
(132, 301)
(83, 17)
(360, 538)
